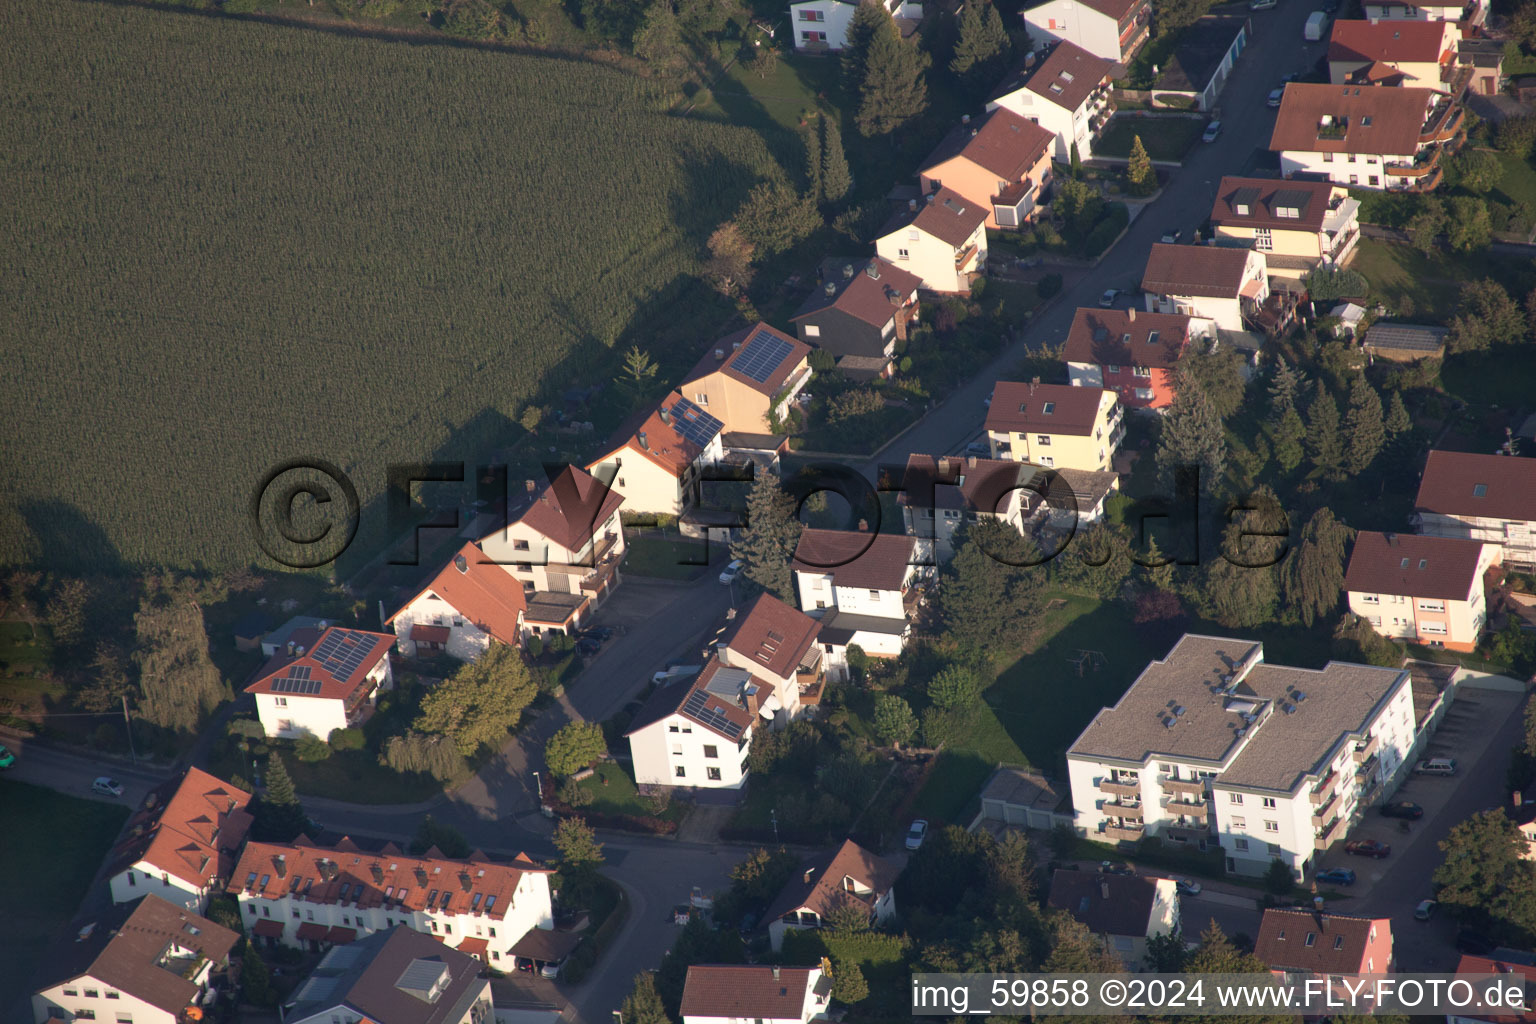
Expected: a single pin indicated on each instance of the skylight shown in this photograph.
(1050, 407)
(1479, 490)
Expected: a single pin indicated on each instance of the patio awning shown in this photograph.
(311, 930)
(341, 936)
(268, 929)
(475, 947)
(1250, 289)
(545, 945)
(429, 634)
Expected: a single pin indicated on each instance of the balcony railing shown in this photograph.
(810, 693)
(1442, 125)
(1192, 833)
(1367, 769)
(1330, 834)
(1197, 811)
(965, 257)
(1364, 750)
(1184, 787)
(1324, 789)
(1124, 833)
(1126, 812)
(1424, 162)
(1327, 811)
(1119, 788)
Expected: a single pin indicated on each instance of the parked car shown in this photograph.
(1475, 943)
(1436, 766)
(1109, 867)
(1402, 809)
(1107, 300)
(1187, 887)
(107, 786)
(917, 833)
(1261, 5)
(1336, 876)
(672, 672)
(1290, 76)
(1172, 236)
(1368, 848)
(1425, 910)
(980, 449)
(601, 634)
(6, 757)
(1275, 96)
(1212, 132)
(548, 969)
(729, 574)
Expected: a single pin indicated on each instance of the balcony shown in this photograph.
(1332, 833)
(1342, 216)
(1190, 833)
(1120, 788)
(1368, 769)
(1364, 751)
(1442, 124)
(1123, 833)
(1126, 812)
(965, 258)
(811, 693)
(1324, 789)
(1327, 811)
(1424, 162)
(1183, 787)
(1186, 809)
(1333, 128)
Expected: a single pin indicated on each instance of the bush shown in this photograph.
(534, 646)
(347, 739)
(311, 748)
(852, 404)
(1049, 285)
(1516, 134)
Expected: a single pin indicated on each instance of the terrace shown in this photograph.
(1364, 751)
(1124, 833)
(1330, 127)
(1444, 121)
(1120, 787)
(965, 258)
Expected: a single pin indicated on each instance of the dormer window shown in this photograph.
(1241, 209)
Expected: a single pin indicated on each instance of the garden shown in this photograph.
(1167, 137)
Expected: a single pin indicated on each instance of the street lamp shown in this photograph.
(538, 790)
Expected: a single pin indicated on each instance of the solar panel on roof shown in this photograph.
(292, 684)
(694, 424)
(760, 356)
(697, 707)
(341, 653)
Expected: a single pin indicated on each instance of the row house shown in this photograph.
(323, 681)
(1000, 162)
(393, 977)
(146, 962)
(1488, 498)
(859, 311)
(747, 379)
(307, 896)
(1366, 136)
(940, 239)
(1419, 54)
(658, 465)
(861, 587)
(1111, 29)
(762, 993)
(1130, 353)
(1297, 225)
(1055, 425)
(182, 842)
(821, 26)
(1426, 590)
(849, 875)
(941, 495)
(1066, 92)
(1215, 749)
(697, 733)
(1220, 283)
(1124, 911)
(776, 645)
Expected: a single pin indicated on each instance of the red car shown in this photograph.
(1367, 848)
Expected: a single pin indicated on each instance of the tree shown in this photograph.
(1096, 563)
(810, 135)
(1157, 567)
(1172, 15)
(861, 32)
(768, 541)
(1364, 432)
(1289, 434)
(311, 749)
(1398, 422)
(1522, 26)
(255, 977)
(836, 179)
(956, 688)
(437, 756)
(446, 839)
(479, 702)
(658, 40)
(576, 745)
(106, 681)
(1242, 592)
(1517, 134)
(1324, 446)
(643, 1004)
(1314, 576)
(893, 91)
(637, 376)
(579, 849)
(1425, 226)
(729, 266)
(1192, 436)
(278, 816)
(1486, 878)
(1220, 375)
(1495, 317)
(1355, 640)
(1140, 175)
(775, 217)
(280, 791)
(1075, 162)
(1166, 953)
(894, 722)
(1076, 950)
(763, 60)
(1326, 283)
(848, 984)
(1476, 170)
(983, 49)
(1285, 384)
(1468, 226)
(179, 682)
(68, 611)
(1278, 878)
(989, 589)
(530, 418)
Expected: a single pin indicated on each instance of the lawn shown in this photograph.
(797, 86)
(1518, 185)
(53, 848)
(666, 556)
(1505, 378)
(1431, 283)
(1165, 138)
(613, 792)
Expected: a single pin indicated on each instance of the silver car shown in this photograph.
(107, 787)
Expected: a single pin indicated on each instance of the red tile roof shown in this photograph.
(1116, 9)
(872, 298)
(1395, 116)
(1052, 408)
(757, 992)
(1263, 198)
(670, 699)
(865, 561)
(945, 214)
(1211, 270)
(572, 508)
(1002, 143)
(1415, 42)
(983, 485)
(1488, 965)
(1411, 565)
(771, 634)
(191, 828)
(270, 928)
(478, 589)
(1098, 337)
(339, 674)
(659, 440)
(389, 878)
(1125, 910)
(1337, 942)
(731, 352)
(819, 885)
(1466, 484)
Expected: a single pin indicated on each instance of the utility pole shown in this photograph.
(128, 724)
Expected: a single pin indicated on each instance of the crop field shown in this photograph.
(233, 244)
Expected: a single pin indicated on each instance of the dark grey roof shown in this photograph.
(1199, 53)
(387, 977)
(839, 627)
(1022, 788)
(740, 440)
(1408, 337)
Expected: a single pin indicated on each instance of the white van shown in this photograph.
(1317, 24)
(1436, 766)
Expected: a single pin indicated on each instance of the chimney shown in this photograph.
(970, 461)
(282, 865)
(749, 698)
(1104, 888)
(775, 972)
(965, 118)
(944, 465)
(644, 444)
(531, 485)
(847, 271)
(912, 205)
(809, 874)
(1131, 314)
(864, 528)
(873, 270)
(973, 133)
(1391, 538)
(666, 417)
(1517, 797)
(830, 288)
(719, 354)
(290, 648)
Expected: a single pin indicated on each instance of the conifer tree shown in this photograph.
(983, 48)
(1284, 385)
(1398, 421)
(1076, 162)
(893, 91)
(643, 1004)
(767, 543)
(280, 792)
(811, 136)
(1139, 173)
(1364, 431)
(1324, 446)
(1192, 436)
(868, 18)
(836, 179)
(1314, 574)
(1289, 434)
(1160, 576)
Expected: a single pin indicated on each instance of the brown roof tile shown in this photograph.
(1262, 198)
(741, 349)
(819, 886)
(1125, 910)
(1487, 965)
(1211, 270)
(191, 827)
(485, 593)
(1002, 143)
(1467, 484)
(870, 561)
(1067, 76)
(1098, 336)
(1410, 565)
(873, 299)
(1055, 408)
(1283, 934)
(756, 992)
(772, 634)
(945, 214)
(571, 507)
(983, 484)
(1395, 115)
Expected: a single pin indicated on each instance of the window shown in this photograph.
(812, 331)
(1271, 826)
(130, 879)
(1263, 239)
(1354, 179)
(266, 911)
(91, 993)
(1274, 849)
(677, 750)
(902, 254)
(672, 728)
(1311, 938)
(252, 908)
(1113, 368)
(1236, 798)
(1431, 606)
(700, 398)
(1239, 822)
(1049, 409)
(72, 992)
(1437, 628)
(85, 1015)
(1370, 599)
(713, 774)
(1374, 179)
(281, 702)
(813, 16)
(125, 1018)
(165, 879)
(1144, 393)
(1043, 439)
(1045, 460)
(1240, 844)
(1338, 942)
(1269, 801)
(680, 772)
(1327, 158)
(1479, 490)
(295, 913)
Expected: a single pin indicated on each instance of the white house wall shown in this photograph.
(144, 878)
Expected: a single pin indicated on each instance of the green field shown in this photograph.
(303, 243)
(53, 846)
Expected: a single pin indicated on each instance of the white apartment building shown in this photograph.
(1210, 746)
(942, 239)
(1112, 29)
(1219, 283)
(1490, 498)
(472, 602)
(1366, 136)
(940, 495)
(308, 896)
(822, 25)
(697, 733)
(776, 645)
